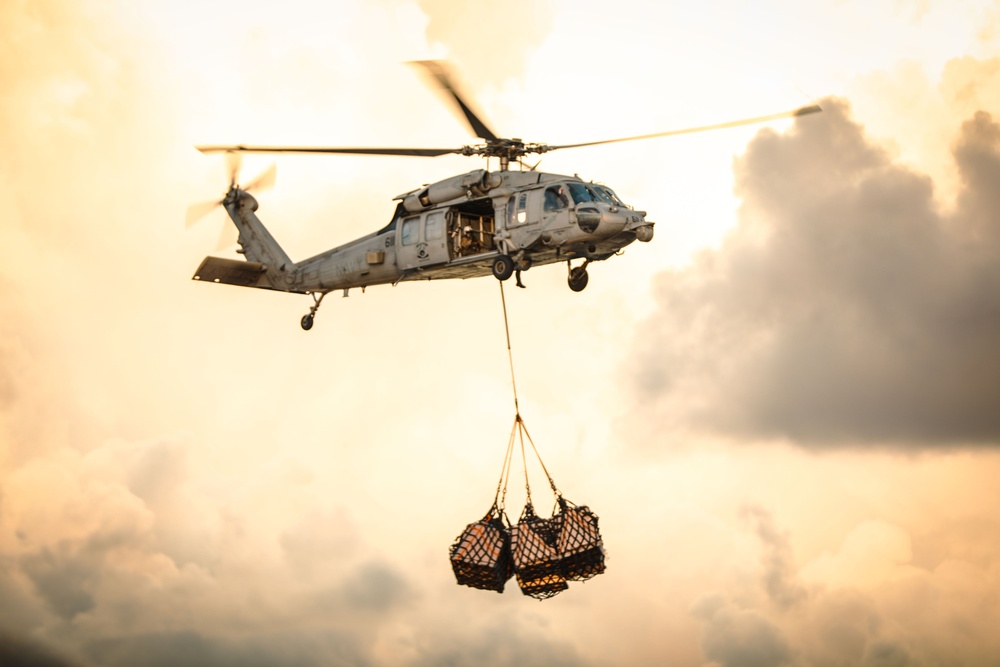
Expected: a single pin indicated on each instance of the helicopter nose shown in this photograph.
(600, 220)
(613, 222)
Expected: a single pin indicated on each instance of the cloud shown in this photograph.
(372, 588)
(742, 637)
(863, 603)
(126, 559)
(62, 579)
(202, 650)
(16, 652)
(779, 566)
(874, 552)
(514, 30)
(845, 308)
(508, 643)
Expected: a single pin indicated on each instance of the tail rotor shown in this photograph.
(234, 162)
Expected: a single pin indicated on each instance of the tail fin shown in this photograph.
(266, 266)
(256, 243)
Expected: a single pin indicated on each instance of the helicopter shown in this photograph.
(474, 224)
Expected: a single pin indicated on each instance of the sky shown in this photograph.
(785, 409)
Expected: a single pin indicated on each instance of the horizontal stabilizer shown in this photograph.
(231, 272)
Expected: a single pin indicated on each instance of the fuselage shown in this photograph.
(454, 228)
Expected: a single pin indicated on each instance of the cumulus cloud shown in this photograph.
(733, 636)
(845, 308)
(864, 603)
(778, 564)
(154, 571)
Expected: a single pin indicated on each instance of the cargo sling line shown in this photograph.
(543, 554)
(519, 429)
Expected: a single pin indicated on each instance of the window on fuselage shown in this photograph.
(555, 198)
(434, 229)
(411, 230)
(517, 209)
(581, 193)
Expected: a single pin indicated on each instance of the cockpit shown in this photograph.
(589, 192)
(557, 196)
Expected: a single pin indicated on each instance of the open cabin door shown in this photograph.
(472, 228)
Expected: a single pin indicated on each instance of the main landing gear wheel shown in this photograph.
(578, 278)
(503, 267)
(307, 321)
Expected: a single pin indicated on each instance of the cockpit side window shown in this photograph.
(555, 199)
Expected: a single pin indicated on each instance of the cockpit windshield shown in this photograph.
(584, 193)
(608, 195)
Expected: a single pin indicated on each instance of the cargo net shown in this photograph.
(480, 556)
(544, 554)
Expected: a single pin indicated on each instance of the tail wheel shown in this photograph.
(578, 278)
(503, 267)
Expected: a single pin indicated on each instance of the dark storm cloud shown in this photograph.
(845, 307)
(16, 652)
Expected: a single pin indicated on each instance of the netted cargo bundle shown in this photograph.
(581, 549)
(537, 562)
(544, 554)
(481, 555)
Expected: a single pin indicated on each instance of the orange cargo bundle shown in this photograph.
(545, 554)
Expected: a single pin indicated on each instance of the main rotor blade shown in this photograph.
(233, 161)
(801, 111)
(439, 70)
(412, 152)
